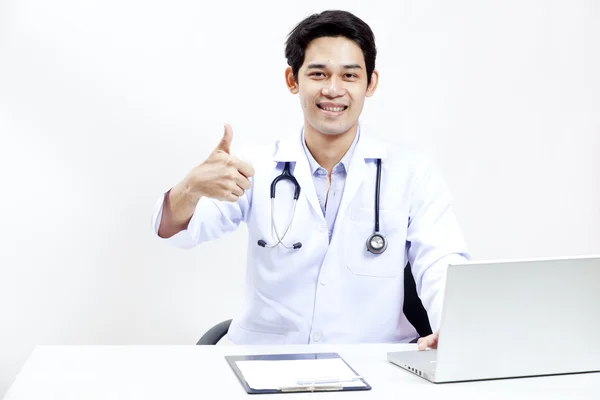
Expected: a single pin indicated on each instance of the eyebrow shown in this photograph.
(323, 66)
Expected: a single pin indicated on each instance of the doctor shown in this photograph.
(326, 254)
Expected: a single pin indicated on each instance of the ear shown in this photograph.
(290, 81)
(373, 85)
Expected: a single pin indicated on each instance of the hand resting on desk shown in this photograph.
(430, 341)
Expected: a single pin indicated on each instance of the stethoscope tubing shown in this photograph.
(376, 243)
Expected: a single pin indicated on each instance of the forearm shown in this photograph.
(178, 209)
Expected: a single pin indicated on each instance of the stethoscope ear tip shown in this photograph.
(297, 245)
(262, 243)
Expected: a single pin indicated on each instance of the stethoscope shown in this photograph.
(376, 242)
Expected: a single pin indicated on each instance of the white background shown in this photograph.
(106, 104)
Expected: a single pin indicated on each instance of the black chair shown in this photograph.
(216, 333)
(413, 309)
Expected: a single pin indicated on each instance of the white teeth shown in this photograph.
(335, 109)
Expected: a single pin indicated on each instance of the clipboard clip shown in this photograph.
(311, 388)
(320, 384)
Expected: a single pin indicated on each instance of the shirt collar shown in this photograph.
(290, 149)
(344, 162)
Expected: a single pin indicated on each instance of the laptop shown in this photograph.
(516, 318)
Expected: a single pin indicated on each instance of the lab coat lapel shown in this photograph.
(304, 177)
(367, 148)
(354, 179)
(290, 149)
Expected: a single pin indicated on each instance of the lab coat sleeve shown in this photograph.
(434, 239)
(211, 219)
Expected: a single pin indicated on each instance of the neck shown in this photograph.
(328, 150)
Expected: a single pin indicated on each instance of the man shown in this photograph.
(317, 281)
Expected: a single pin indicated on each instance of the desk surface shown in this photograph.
(201, 372)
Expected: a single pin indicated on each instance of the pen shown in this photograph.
(328, 380)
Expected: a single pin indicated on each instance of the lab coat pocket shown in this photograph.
(392, 225)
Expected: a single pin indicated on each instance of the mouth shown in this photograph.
(332, 108)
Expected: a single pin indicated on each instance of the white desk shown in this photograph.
(201, 372)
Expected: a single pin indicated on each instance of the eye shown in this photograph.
(350, 76)
(317, 74)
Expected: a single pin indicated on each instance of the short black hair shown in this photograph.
(330, 23)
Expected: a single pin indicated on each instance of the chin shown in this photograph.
(332, 129)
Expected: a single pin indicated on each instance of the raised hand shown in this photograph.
(221, 176)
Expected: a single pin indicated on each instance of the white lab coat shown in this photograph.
(337, 292)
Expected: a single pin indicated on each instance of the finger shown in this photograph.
(230, 197)
(435, 340)
(236, 190)
(425, 342)
(244, 168)
(225, 143)
(432, 340)
(242, 181)
(242, 189)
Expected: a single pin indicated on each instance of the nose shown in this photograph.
(334, 87)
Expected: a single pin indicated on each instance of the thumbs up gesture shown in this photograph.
(221, 176)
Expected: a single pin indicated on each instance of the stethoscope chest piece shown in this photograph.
(376, 243)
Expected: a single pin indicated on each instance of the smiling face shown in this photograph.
(332, 85)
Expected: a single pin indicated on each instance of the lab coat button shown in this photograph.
(317, 336)
(322, 283)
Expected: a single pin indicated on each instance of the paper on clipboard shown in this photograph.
(268, 374)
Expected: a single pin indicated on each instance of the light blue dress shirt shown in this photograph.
(330, 199)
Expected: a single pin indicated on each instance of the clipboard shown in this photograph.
(236, 361)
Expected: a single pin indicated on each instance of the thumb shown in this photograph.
(225, 143)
